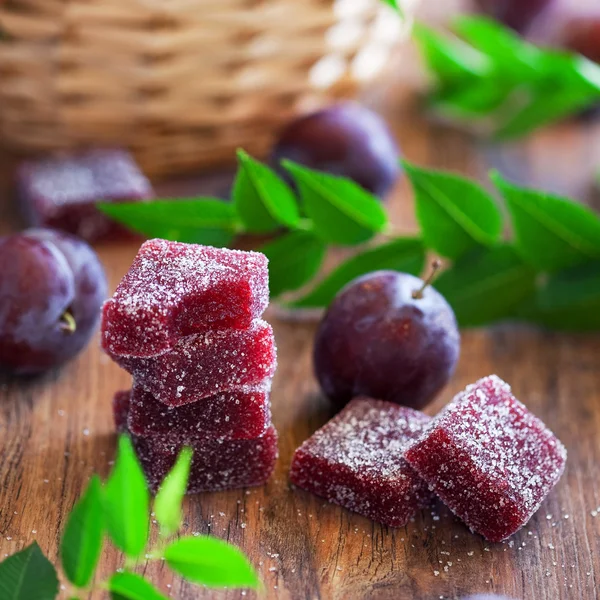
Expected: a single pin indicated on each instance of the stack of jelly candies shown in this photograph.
(185, 321)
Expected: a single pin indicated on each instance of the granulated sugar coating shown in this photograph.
(217, 464)
(489, 459)
(174, 290)
(202, 365)
(62, 192)
(243, 413)
(356, 461)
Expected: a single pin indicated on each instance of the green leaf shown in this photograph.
(542, 110)
(126, 502)
(456, 215)
(569, 300)
(167, 504)
(477, 99)
(449, 58)
(512, 58)
(486, 285)
(211, 562)
(82, 539)
(406, 255)
(294, 259)
(28, 575)
(395, 5)
(495, 81)
(130, 586)
(263, 201)
(200, 221)
(551, 232)
(341, 211)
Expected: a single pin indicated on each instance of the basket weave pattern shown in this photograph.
(180, 82)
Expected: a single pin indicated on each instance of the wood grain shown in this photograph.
(56, 431)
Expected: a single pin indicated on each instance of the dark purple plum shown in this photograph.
(571, 26)
(51, 292)
(518, 14)
(386, 336)
(345, 139)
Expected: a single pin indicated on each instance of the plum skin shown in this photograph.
(517, 14)
(377, 340)
(575, 28)
(345, 139)
(45, 274)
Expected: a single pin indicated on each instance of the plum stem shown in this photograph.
(67, 323)
(436, 265)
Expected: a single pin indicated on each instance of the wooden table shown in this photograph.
(56, 431)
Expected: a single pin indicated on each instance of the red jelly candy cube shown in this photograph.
(489, 459)
(205, 364)
(356, 461)
(173, 290)
(62, 192)
(243, 413)
(217, 464)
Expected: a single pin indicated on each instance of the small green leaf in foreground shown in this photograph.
(263, 201)
(126, 502)
(486, 285)
(82, 539)
(130, 586)
(456, 214)
(197, 221)
(341, 211)
(294, 259)
(212, 562)
(167, 504)
(405, 255)
(28, 575)
(551, 232)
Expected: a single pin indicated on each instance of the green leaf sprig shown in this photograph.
(489, 276)
(119, 510)
(488, 77)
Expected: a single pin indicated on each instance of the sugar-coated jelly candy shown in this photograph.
(489, 459)
(173, 290)
(356, 461)
(242, 413)
(217, 464)
(62, 192)
(204, 364)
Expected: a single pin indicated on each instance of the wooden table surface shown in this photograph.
(56, 431)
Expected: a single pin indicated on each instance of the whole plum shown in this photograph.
(389, 336)
(346, 139)
(51, 291)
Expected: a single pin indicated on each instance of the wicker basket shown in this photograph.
(180, 82)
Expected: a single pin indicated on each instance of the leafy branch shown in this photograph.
(488, 77)
(489, 277)
(119, 510)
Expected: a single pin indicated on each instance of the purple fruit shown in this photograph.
(51, 291)
(574, 27)
(388, 337)
(345, 139)
(518, 14)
